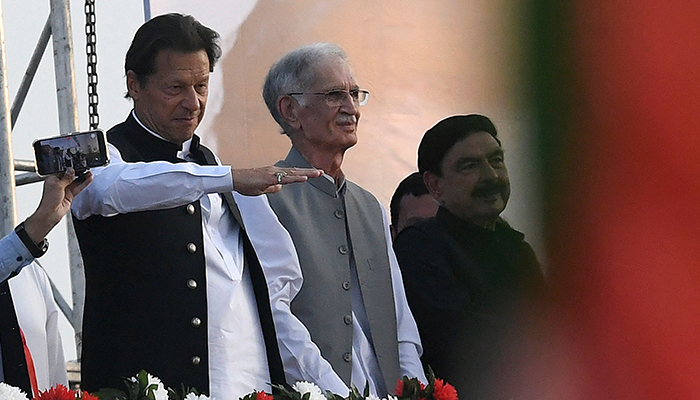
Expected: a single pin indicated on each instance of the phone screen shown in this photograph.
(80, 151)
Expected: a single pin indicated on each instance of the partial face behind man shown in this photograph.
(173, 98)
(473, 184)
(411, 203)
(413, 209)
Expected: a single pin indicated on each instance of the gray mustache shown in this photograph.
(346, 118)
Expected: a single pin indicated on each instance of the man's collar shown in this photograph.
(185, 148)
(297, 160)
(147, 129)
(163, 149)
(468, 228)
(340, 185)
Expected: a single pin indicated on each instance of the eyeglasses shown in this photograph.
(336, 97)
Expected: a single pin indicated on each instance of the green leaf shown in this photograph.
(174, 395)
(110, 394)
(332, 396)
(354, 393)
(430, 375)
(143, 378)
(280, 392)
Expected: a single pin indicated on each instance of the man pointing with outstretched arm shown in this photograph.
(173, 285)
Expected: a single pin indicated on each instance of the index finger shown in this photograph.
(307, 172)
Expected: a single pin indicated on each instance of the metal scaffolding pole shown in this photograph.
(68, 122)
(31, 71)
(8, 213)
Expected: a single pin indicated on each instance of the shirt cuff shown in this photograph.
(17, 256)
(219, 180)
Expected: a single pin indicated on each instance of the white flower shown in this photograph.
(8, 392)
(304, 387)
(160, 393)
(192, 396)
(372, 397)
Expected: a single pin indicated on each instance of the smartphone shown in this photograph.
(80, 151)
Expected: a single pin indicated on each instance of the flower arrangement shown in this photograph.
(413, 389)
(406, 389)
(145, 386)
(58, 392)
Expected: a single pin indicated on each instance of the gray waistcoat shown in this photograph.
(327, 231)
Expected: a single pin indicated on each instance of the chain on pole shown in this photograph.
(91, 51)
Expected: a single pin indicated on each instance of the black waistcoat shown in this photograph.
(146, 286)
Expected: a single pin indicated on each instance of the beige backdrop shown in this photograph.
(421, 60)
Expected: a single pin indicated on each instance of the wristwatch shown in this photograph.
(36, 249)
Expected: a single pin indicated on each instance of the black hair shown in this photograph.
(439, 139)
(169, 32)
(412, 184)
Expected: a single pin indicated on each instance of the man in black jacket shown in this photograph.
(470, 278)
(173, 285)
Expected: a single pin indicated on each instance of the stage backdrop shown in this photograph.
(421, 61)
(597, 102)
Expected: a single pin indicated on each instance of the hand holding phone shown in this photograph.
(80, 151)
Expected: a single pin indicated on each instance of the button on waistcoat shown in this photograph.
(343, 228)
(145, 294)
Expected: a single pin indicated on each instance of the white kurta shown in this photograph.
(237, 358)
(37, 315)
(301, 357)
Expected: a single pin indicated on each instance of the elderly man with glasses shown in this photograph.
(340, 310)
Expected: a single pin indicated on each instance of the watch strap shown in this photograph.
(36, 249)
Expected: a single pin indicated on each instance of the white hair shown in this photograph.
(295, 72)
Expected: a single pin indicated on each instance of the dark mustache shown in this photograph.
(488, 188)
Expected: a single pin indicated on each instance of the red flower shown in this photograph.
(87, 396)
(443, 390)
(398, 390)
(263, 396)
(60, 392)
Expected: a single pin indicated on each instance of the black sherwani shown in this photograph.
(469, 290)
(146, 284)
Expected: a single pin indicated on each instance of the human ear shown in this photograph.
(433, 183)
(132, 84)
(288, 108)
